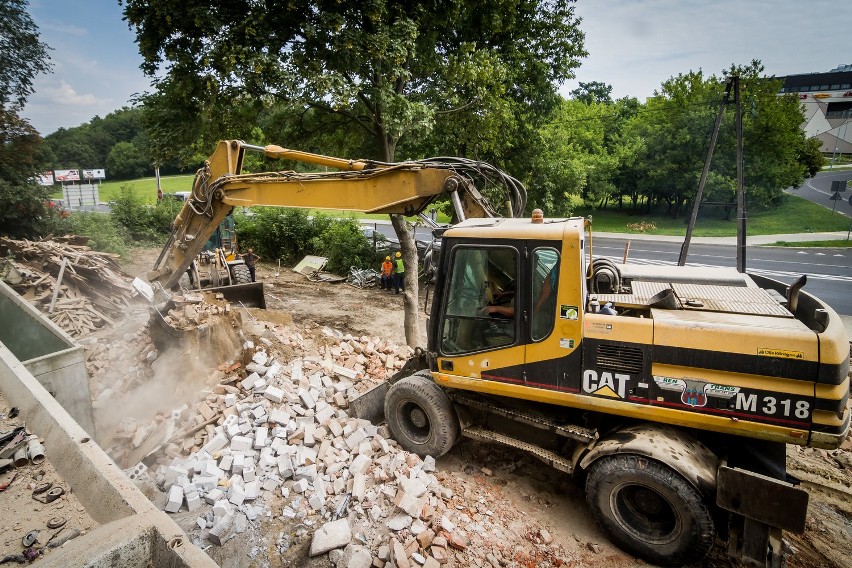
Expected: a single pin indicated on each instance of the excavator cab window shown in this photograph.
(480, 303)
(545, 283)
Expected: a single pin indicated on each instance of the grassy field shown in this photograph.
(144, 187)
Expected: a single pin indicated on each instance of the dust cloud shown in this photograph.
(151, 373)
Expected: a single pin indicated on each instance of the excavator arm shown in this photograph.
(355, 185)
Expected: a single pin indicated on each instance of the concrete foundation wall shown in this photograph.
(132, 532)
(48, 353)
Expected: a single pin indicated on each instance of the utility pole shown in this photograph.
(684, 249)
(741, 214)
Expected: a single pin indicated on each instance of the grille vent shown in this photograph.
(617, 358)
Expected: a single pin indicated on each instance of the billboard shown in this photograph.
(67, 175)
(45, 178)
(94, 174)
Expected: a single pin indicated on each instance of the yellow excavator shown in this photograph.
(672, 391)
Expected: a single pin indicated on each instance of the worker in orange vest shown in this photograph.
(387, 278)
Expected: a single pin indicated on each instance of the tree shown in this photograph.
(386, 68)
(22, 58)
(126, 162)
(675, 127)
(593, 92)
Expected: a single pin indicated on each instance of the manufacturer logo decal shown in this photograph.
(613, 385)
(694, 392)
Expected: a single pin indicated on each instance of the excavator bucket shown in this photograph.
(248, 295)
(370, 405)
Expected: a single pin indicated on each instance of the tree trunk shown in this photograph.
(409, 258)
(412, 292)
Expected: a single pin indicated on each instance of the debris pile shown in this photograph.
(273, 443)
(81, 290)
(196, 309)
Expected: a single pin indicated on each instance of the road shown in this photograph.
(818, 190)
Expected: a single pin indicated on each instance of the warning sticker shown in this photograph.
(782, 353)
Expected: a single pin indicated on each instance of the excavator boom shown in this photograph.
(356, 185)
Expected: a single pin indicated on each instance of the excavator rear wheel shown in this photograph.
(241, 274)
(421, 417)
(649, 510)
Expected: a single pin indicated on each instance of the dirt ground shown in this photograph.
(512, 481)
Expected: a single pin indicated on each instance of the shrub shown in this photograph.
(345, 245)
(290, 234)
(144, 223)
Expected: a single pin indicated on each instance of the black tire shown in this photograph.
(649, 510)
(421, 417)
(241, 274)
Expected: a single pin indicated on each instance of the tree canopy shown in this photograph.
(22, 57)
(388, 68)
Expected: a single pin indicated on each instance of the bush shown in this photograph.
(144, 223)
(290, 234)
(103, 234)
(345, 245)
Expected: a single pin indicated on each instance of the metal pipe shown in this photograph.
(454, 197)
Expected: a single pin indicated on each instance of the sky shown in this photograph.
(633, 45)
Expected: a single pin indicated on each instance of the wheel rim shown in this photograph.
(415, 421)
(645, 513)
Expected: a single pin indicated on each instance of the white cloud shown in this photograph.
(62, 27)
(65, 94)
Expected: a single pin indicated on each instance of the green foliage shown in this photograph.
(345, 245)
(290, 234)
(22, 55)
(592, 92)
(386, 70)
(672, 133)
(104, 235)
(141, 222)
(117, 142)
(126, 162)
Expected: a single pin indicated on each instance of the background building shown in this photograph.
(827, 100)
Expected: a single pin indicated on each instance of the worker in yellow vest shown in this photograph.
(398, 273)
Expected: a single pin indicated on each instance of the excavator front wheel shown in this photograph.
(421, 417)
(649, 510)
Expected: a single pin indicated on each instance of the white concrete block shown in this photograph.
(273, 393)
(335, 534)
(215, 443)
(241, 443)
(306, 398)
(249, 472)
(237, 465)
(260, 437)
(236, 494)
(222, 530)
(214, 495)
(251, 490)
(360, 464)
(206, 482)
(301, 485)
(316, 500)
(279, 416)
(175, 499)
(309, 439)
(249, 382)
(271, 482)
(193, 502)
(359, 486)
(226, 462)
(230, 400)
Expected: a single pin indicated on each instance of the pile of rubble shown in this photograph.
(81, 290)
(273, 450)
